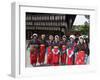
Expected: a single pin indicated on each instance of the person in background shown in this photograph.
(87, 50)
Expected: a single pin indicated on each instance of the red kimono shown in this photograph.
(70, 58)
(33, 55)
(55, 56)
(70, 53)
(49, 56)
(42, 53)
(63, 56)
(80, 57)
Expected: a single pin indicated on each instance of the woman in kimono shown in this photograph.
(56, 51)
(71, 50)
(34, 43)
(81, 51)
(63, 50)
(42, 50)
(49, 50)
